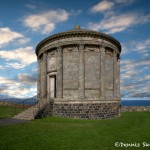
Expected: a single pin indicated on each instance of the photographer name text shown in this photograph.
(135, 144)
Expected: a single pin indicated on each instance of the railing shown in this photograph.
(27, 103)
(23, 105)
(42, 103)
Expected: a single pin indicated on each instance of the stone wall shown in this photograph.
(70, 72)
(6, 103)
(134, 108)
(92, 71)
(82, 68)
(82, 110)
(86, 110)
(109, 74)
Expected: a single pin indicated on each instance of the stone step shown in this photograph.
(30, 113)
(22, 115)
(19, 117)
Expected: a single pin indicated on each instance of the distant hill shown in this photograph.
(17, 100)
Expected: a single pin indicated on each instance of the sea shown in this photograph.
(124, 101)
(135, 102)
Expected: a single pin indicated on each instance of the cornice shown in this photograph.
(77, 33)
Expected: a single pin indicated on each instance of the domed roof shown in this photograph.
(79, 32)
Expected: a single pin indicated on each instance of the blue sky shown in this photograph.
(24, 23)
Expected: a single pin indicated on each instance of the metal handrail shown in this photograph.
(29, 102)
(38, 98)
(41, 106)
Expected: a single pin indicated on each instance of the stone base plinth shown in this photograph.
(83, 109)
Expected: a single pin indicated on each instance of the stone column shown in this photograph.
(118, 73)
(81, 72)
(102, 73)
(115, 77)
(59, 79)
(44, 75)
(39, 79)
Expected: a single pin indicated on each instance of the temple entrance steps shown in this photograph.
(32, 112)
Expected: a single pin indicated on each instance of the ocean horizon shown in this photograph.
(124, 101)
(135, 102)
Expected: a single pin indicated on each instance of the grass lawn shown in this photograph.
(56, 133)
(8, 111)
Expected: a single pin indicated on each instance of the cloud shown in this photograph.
(5, 81)
(124, 49)
(45, 22)
(31, 6)
(113, 20)
(138, 88)
(22, 56)
(102, 6)
(105, 6)
(118, 23)
(135, 78)
(22, 41)
(20, 88)
(76, 12)
(2, 67)
(124, 1)
(7, 36)
(15, 65)
(142, 94)
(24, 78)
(130, 74)
(142, 46)
(130, 64)
(20, 92)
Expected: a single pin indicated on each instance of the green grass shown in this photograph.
(8, 111)
(56, 133)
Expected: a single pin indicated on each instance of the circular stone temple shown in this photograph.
(79, 74)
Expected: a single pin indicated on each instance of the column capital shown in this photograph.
(118, 57)
(81, 46)
(39, 60)
(59, 48)
(45, 53)
(102, 48)
(114, 53)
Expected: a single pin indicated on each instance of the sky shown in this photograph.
(24, 23)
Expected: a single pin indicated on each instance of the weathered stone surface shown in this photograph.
(70, 69)
(59, 76)
(43, 82)
(81, 72)
(83, 110)
(92, 68)
(39, 79)
(109, 74)
(134, 108)
(102, 76)
(85, 65)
